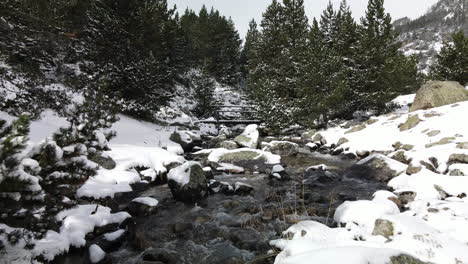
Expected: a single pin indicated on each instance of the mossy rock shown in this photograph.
(436, 93)
(308, 134)
(433, 133)
(342, 141)
(105, 162)
(462, 145)
(443, 141)
(227, 145)
(356, 128)
(458, 158)
(405, 259)
(239, 156)
(412, 122)
(383, 228)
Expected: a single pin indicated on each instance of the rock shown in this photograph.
(406, 259)
(104, 161)
(376, 167)
(227, 144)
(283, 148)
(436, 93)
(312, 146)
(279, 173)
(462, 145)
(406, 197)
(433, 133)
(188, 182)
(458, 158)
(253, 160)
(362, 153)
(163, 255)
(110, 242)
(443, 141)
(319, 138)
(341, 141)
(383, 228)
(432, 114)
(142, 206)
(407, 147)
(337, 151)
(372, 121)
(397, 145)
(242, 188)
(181, 227)
(208, 173)
(319, 177)
(356, 128)
(413, 169)
(412, 122)
(456, 172)
(215, 187)
(238, 188)
(307, 136)
(401, 157)
(185, 139)
(248, 138)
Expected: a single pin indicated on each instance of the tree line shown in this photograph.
(142, 47)
(309, 73)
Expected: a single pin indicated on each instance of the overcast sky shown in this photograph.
(242, 11)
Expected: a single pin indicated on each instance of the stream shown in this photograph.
(234, 229)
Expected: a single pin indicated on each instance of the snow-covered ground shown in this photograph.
(433, 227)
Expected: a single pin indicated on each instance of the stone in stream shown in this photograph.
(248, 138)
(188, 182)
(318, 175)
(376, 167)
(186, 139)
(226, 188)
(112, 241)
(279, 173)
(437, 93)
(283, 148)
(142, 206)
(227, 144)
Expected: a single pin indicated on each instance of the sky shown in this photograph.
(242, 11)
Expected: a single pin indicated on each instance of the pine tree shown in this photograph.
(452, 62)
(249, 51)
(378, 60)
(204, 87)
(18, 174)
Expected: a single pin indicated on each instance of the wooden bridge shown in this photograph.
(231, 115)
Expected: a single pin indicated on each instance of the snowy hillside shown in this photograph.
(432, 224)
(424, 36)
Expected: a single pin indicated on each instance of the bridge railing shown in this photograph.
(240, 113)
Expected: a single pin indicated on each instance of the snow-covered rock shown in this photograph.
(376, 167)
(248, 138)
(188, 182)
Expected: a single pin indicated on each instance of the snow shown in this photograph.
(109, 182)
(146, 201)
(181, 174)
(75, 224)
(251, 135)
(96, 254)
(216, 154)
(140, 133)
(432, 228)
(42, 128)
(114, 235)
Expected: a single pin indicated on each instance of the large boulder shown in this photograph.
(376, 167)
(227, 144)
(283, 148)
(188, 182)
(436, 93)
(248, 138)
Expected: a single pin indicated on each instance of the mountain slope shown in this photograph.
(424, 36)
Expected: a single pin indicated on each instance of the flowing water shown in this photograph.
(237, 229)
